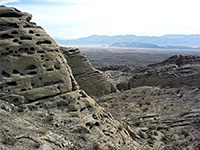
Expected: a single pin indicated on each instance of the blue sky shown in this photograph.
(80, 18)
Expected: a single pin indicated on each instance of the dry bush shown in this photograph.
(145, 108)
(184, 113)
(43, 131)
(8, 140)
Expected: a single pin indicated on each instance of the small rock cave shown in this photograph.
(31, 67)
(43, 42)
(14, 32)
(13, 83)
(5, 74)
(31, 32)
(25, 38)
(14, 15)
(6, 36)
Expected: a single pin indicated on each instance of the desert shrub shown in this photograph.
(43, 131)
(9, 140)
(145, 108)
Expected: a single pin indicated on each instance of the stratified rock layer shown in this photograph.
(177, 71)
(89, 79)
(164, 119)
(180, 60)
(41, 93)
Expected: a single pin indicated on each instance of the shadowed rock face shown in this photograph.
(89, 79)
(39, 91)
(180, 60)
(177, 71)
(31, 63)
(165, 119)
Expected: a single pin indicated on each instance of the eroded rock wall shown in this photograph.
(31, 63)
(89, 79)
(177, 71)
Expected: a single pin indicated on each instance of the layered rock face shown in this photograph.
(160, 103)
(41, 93)
(165, 119)
(31, 63)
(176, 71)
(91, 80)
(180, 60)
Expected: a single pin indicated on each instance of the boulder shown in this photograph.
(31, 62)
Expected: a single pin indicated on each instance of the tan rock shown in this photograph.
(177, 71)
(35, 71)
(31, 63)
(93, 81)
(85, 117)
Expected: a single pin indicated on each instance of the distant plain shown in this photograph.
(101, 56)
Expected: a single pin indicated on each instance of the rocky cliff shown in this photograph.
(31, 63)
(41, 106)
(44, 102)
(91, 80)
(165, 114)
(176, 71)
(159, 118)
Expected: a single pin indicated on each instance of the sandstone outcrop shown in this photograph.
(180, 60)
(177, 71)
(89, 79)
(161, 107)
(70, 120)
(40, 94)
(161, 119)
(31, 63)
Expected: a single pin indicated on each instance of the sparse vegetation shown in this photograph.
(43, 131)
(8, 140)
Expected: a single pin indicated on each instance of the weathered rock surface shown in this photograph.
(177, 71)
(67, 121)
(42, 107)
(89, 79)
(119, 74)
(22, 131)
(164, 119)
(119, 79)
(31, 63)
(165, 116)
(180, 60)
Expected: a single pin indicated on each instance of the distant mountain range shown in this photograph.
(170, 40)
(147, 45)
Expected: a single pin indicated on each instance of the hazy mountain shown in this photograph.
(148, 45)
(170, 39)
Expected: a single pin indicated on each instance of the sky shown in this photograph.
(72, 19)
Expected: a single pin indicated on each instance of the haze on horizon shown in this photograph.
(77, 18)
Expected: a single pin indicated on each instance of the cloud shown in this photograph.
(78, 18)
(3, 2)
(57, 2)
